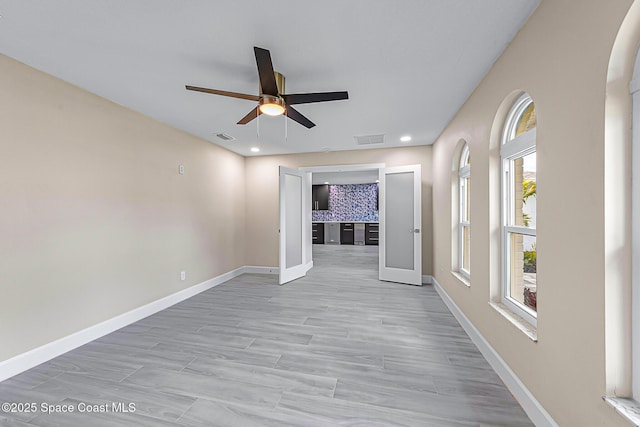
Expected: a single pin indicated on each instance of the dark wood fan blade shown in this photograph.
(252, 115)
(296, 116)
(224, 93)
(265, 72)
(307, 98)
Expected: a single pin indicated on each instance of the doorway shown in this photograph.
(399, 250)
(345, 216)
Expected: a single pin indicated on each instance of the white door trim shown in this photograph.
(343, 168)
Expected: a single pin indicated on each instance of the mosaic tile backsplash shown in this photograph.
(350, 202)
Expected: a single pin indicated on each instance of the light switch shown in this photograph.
(181, 169)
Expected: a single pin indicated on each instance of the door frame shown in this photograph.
(380, 167)
(340, 168)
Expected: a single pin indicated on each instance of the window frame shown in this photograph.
(512, 148)
(635, 240)
(464, 173)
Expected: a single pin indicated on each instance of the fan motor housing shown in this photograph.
(279, 83)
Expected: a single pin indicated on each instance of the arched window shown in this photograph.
(519, 253)
(464, 192)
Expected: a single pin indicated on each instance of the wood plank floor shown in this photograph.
(337, 347)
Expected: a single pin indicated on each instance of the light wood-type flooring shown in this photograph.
(337, 347)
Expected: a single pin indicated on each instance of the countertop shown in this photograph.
(349, 222)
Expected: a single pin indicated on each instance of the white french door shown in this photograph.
(295, 225)
(400, 236)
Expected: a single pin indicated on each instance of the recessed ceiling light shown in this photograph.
(377, 180)
(405, 138)
(255, 149)
(326, 182)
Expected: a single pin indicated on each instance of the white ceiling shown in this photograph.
(408, 66)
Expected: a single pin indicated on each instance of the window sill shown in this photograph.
(628, 408)
(517, 321)
(463, 279)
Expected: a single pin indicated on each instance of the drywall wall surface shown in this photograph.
(96, 219)
(560, 57)
(262, 194)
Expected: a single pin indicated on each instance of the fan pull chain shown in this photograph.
(258, 122)
(286, 134)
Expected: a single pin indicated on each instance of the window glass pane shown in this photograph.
(522, 271)
(465, 192)
(464, 155)
(466, 250)
(527, 120)
(523, 178)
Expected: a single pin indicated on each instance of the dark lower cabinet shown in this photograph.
(346, 233)
(371, 232)
(342, 233)
(317, 233)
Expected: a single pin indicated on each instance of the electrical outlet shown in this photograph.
(183, 275)
(181, 169)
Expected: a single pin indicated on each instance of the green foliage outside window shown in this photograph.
(528, 190)
(530, 256)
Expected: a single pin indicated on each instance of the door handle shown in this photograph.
(417, 231)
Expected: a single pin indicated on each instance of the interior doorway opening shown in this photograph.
(398, 197)
(344, 210)
(345, 213)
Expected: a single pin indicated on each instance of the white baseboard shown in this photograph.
(252, 269)
(529, 403)
(32, 358)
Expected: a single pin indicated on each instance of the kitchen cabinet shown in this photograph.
(320, 197)
(371, 234)
(317, 233)
(346, 233)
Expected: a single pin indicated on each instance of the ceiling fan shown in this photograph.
(272, 99)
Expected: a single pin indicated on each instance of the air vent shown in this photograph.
(369, 139)
(225, 137)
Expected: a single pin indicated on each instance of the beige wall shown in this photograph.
(560, 58)
(262, 194)
(95, 219)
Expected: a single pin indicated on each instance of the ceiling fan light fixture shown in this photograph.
(272, 99)
(271, 106)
